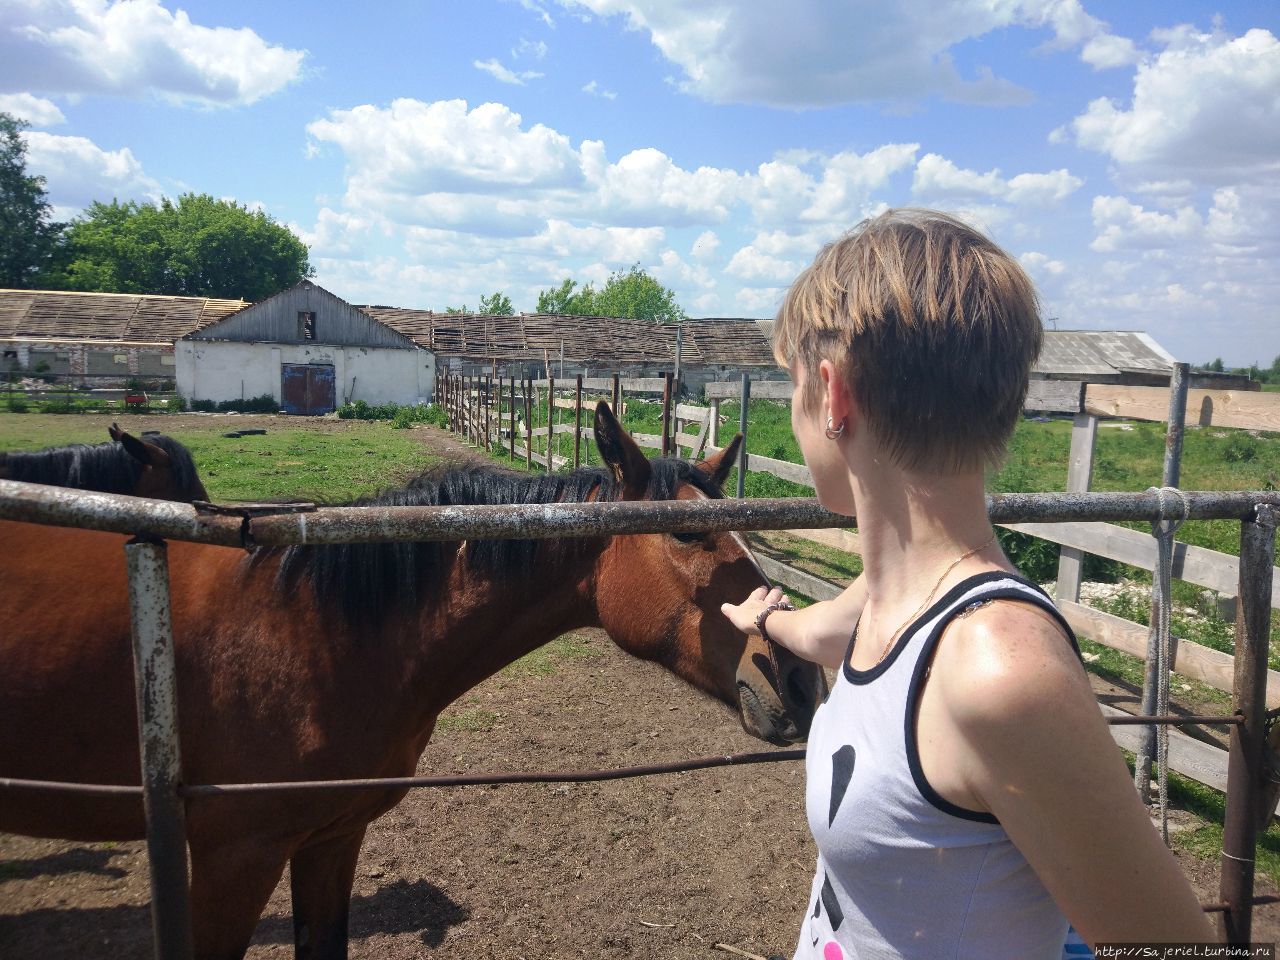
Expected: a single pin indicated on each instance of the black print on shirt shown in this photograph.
(841, 770)
(834, 914)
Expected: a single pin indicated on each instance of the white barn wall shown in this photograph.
(221, 370)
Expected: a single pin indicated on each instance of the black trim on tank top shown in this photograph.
(866, 676)
(1039, 599)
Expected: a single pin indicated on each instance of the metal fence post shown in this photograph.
(742, 427)
(1245, 768)
(577, 423)
(666, 414)
(155, 678)
(1172, 473)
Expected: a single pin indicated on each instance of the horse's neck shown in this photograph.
(484, 624)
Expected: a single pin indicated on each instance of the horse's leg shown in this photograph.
(321, 877)
(230, 886)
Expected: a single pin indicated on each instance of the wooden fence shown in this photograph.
(472, 402)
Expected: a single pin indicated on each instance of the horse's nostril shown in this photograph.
(796, 694)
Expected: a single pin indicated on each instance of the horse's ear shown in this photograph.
(718, 465)
(115, 432)
(148, 454)
(622, 455)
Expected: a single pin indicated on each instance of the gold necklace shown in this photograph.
(954, 563)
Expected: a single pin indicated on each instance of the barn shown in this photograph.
(307, 349)
(101, 339)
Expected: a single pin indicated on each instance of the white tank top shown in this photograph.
(901, 871)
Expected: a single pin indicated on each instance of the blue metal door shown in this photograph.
(307, 389)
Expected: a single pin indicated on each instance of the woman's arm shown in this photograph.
(1036, 751)
(819, 633)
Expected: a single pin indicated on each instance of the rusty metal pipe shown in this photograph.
(155, 677)
(58, 506)
(115, 513)
(1246, 767)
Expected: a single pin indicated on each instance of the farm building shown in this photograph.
(309, 350)
(533, 344)
(103, 337)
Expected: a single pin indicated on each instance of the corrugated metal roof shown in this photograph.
(1082, 354)
(115, 317)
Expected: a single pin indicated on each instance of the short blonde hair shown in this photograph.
(933, 327)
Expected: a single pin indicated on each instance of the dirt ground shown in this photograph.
(658, 867)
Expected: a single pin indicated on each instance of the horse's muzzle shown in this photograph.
(778, 705)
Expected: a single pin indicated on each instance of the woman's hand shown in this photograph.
(743, 615)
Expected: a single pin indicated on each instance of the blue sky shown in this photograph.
(431, 152)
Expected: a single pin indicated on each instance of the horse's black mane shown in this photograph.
(366, 580)
(105, 467)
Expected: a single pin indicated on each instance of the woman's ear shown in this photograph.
(837, 398)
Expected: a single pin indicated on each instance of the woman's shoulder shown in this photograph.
(1006, 662)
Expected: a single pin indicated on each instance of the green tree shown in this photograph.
(627, 293)
(1215, 365)
(28, 235)
(634, 293)
(196, 247)
(568, 298)
(498, 305)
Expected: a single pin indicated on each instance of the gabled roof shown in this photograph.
(1087, 354)
(614, 340)
(109, 317)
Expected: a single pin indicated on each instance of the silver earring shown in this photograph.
(834, 433)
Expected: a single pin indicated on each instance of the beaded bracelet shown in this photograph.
(763, 615)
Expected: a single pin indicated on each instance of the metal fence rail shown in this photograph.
(246, 527)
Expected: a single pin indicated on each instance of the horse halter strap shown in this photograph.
(770, 645)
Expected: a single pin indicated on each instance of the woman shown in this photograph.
(963, 790)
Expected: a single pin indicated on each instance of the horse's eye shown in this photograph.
(689, 537)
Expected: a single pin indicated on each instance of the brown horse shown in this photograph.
(326, 662)
(156, 466)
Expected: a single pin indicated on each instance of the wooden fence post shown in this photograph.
(742, 427)
(551, 419)
(488, 408)
(512, 426)
(666, 414)
(577, 422)
(528, 423)
(617, 396)
(1084, 433)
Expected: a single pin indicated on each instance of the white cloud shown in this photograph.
(761, 269)
(503, 74)
(705, 247)
(537, 10)
(529, 48)
(1040, 265)
(809, 53)
(136, 48)
(1205, 107)
(1123, 225)
(1107, 51)
(760, 301)
(937, 177)
(35, 110)
(594, 88)
(616, 245)
(817, 189)
(77, 171)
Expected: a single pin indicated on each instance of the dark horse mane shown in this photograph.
(364, 581)
(105, 467)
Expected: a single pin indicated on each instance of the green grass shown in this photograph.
(289, 462)
(544, 661)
